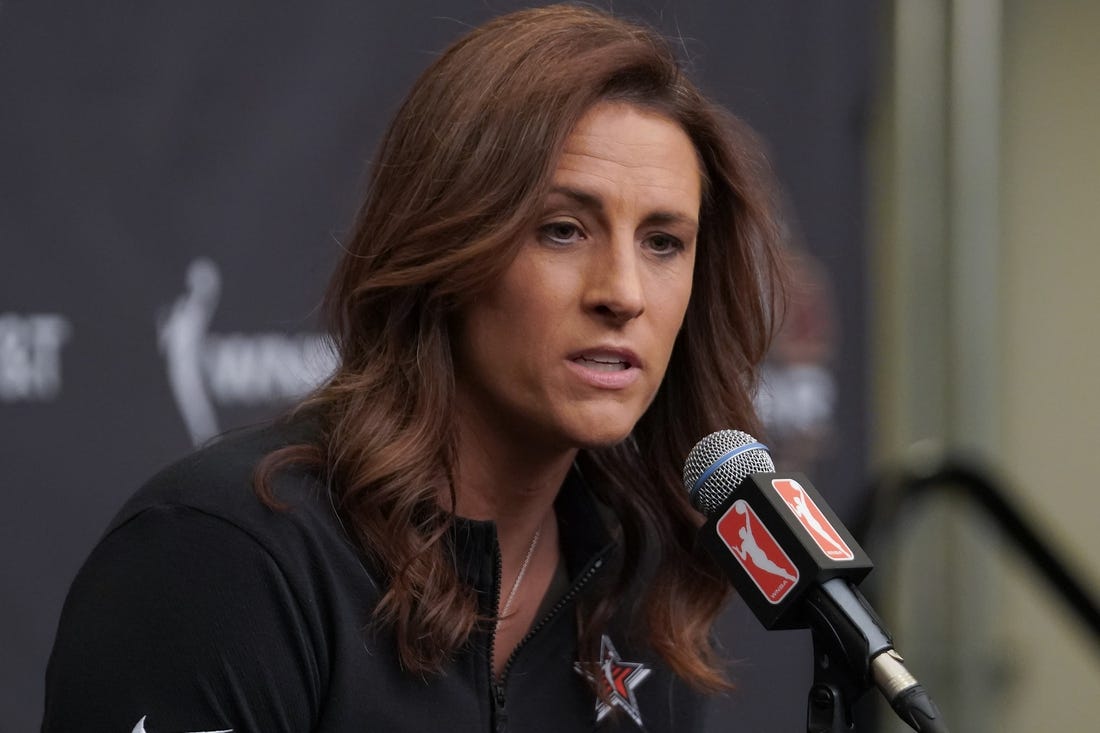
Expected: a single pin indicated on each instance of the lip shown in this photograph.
(600, 378)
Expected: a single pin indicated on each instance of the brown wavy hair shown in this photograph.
(458, 181)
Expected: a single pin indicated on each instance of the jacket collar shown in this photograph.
(582, 532)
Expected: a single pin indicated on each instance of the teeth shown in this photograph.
(604, 365)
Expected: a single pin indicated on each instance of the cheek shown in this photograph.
(534, 298)
(674, 299)
(519, 321)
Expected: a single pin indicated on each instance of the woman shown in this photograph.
(563, 275)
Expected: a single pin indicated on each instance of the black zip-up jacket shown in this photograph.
(201, 609)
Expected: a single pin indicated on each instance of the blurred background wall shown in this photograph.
(985, 211)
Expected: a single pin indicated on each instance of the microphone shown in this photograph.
(795, 565)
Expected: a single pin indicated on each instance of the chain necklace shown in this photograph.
(522, 571)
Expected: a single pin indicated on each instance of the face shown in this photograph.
(568, 349)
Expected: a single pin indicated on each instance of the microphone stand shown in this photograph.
(829, 705)
(852, 652)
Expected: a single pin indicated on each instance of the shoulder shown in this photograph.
(180, 615)
(217, 482)
(201, 598)
(203, 512)
(215, 475)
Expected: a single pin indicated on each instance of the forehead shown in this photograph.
(616, 143)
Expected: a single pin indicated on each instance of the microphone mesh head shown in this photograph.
(730, 472)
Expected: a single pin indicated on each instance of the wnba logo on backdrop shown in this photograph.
(231, 369)
(30, 356)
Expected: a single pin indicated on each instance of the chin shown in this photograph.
(605, 427)
(604, 437)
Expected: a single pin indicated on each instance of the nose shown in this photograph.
(615, 284)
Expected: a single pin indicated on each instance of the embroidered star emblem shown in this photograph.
(617, 680)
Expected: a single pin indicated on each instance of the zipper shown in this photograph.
(500, 715)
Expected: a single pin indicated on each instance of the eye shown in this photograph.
(561, 232)
(665, 244)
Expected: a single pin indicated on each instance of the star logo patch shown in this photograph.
(617, 680)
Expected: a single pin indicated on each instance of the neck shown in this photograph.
(506, 488)
(513, 480)
(509, 480)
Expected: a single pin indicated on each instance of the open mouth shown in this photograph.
(607, 368)
(602, 364)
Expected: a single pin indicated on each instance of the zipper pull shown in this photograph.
(500, 715)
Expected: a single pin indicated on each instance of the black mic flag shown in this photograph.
(795, 565)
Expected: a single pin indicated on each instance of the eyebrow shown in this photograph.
(591, 201)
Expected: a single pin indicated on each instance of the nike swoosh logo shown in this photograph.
(140, 728)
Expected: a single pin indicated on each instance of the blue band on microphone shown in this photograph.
(722, 459)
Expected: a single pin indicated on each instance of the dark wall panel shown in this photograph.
(174, 182)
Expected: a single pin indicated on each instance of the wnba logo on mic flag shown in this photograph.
(758, 552)
(810, 516)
